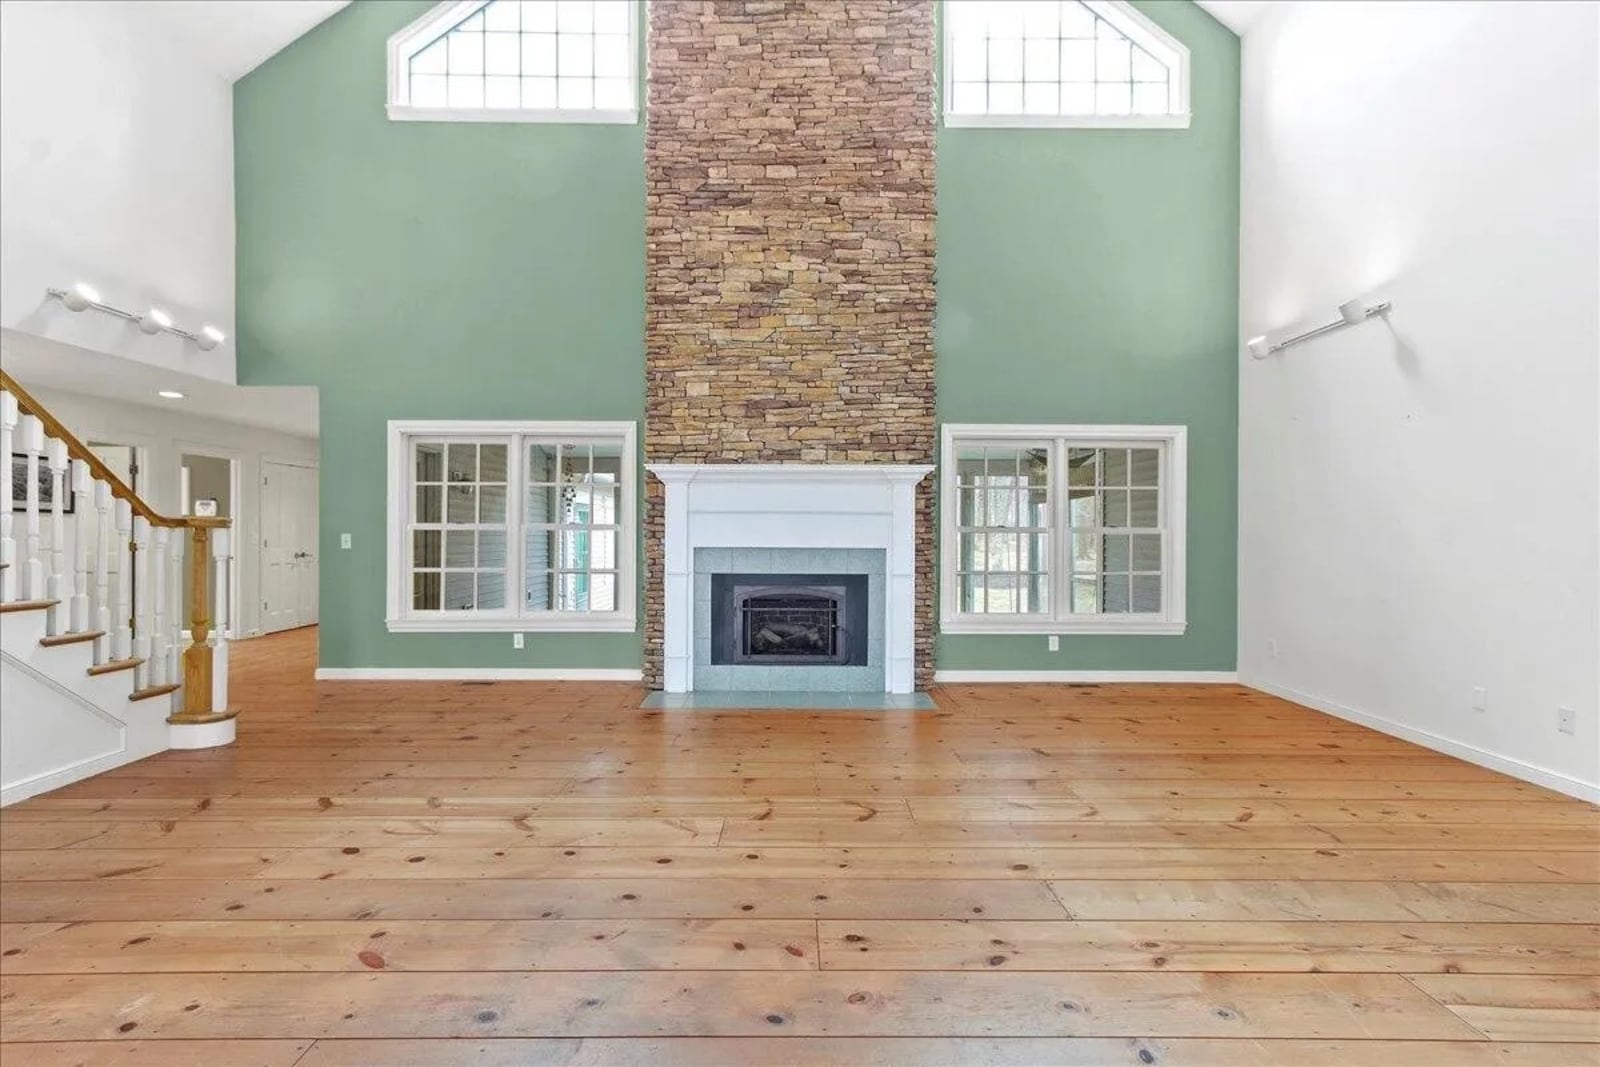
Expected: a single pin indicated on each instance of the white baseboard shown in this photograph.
(73, 772)
(1085, 677)
(1527, 772)
(479, 674)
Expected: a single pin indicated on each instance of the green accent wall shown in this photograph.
(427, 270)
(1091, 276)
(496, 270)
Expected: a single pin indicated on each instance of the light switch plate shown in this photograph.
(518, 641)
(344, 540)
(1055, 643)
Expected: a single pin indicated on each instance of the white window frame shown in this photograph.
(402, 618)
(425, 30)
(1172, 441)
(1131, 23)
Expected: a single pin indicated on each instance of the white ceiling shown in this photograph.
(1237, 15)
(43, 364)
(235, 37)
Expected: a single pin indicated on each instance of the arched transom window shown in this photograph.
(518, 61)
(1061, 63)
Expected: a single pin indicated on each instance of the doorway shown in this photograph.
(288, 545)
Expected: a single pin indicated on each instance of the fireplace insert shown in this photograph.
(789, 619)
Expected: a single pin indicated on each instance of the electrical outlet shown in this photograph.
(1054, 643)
(518, 641)
(1566, 720)
(1272, 647)
(1480, 698)
(344, 540)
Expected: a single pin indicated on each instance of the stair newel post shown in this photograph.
(32, 577)
(156, 665)
(58, 619)
(102, 572)
(8, 541)
(82, 511)
(122, 592)
(140, 558)
(199, 658)
(221, 561)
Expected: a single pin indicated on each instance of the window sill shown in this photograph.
(1064, 627)
(1069, 122)
(609, 623)
(574, 116)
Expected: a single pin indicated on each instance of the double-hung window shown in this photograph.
(511, 526)
(1062, 529)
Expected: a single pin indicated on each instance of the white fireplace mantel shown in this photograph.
(790, 505)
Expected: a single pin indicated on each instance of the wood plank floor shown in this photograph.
(542, 874)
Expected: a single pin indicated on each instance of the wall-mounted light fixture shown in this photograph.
(1351, 313)
(83, 296)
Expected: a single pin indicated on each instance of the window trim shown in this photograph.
(1173, 443)
(442, 18)
(1131, 23)
(400, 618)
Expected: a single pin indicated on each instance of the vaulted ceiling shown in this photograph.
(235, 37)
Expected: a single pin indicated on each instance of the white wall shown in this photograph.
(116, 165)
(1420, 502)
(163, 437)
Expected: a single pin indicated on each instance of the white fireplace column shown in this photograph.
(790, 505)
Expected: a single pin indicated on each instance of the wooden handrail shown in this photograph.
(81, 452)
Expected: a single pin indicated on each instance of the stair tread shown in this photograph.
(71, 639)
(116, 665)
(155, 691)
(27, 605)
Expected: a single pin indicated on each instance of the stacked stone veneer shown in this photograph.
(789, 288)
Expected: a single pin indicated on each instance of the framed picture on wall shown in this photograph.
(19, 488)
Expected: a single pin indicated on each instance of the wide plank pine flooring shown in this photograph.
(543, 874)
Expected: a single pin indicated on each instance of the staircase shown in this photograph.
(96, 667)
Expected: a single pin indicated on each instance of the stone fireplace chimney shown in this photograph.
(789, 289)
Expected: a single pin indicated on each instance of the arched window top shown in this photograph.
(518, 61)
(1061, 63)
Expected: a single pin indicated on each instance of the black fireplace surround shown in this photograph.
(789, 620)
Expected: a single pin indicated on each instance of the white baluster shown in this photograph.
(58, 619)
(219, 619)
(180, 539)
(102, 572)
(31, 581)
(159, 550)
(83, 514)
(8, 543)
(122, 597)
(140, 560)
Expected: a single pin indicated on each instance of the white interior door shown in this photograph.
(288, 546)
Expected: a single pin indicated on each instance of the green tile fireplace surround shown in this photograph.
(418, 270)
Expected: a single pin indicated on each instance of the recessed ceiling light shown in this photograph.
(170, 394)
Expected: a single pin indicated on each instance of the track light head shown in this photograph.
(209, 337)
(154, 321)
(1259, 347)
(80, 296)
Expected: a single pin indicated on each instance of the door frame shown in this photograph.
(230, 631)
(311, 464)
